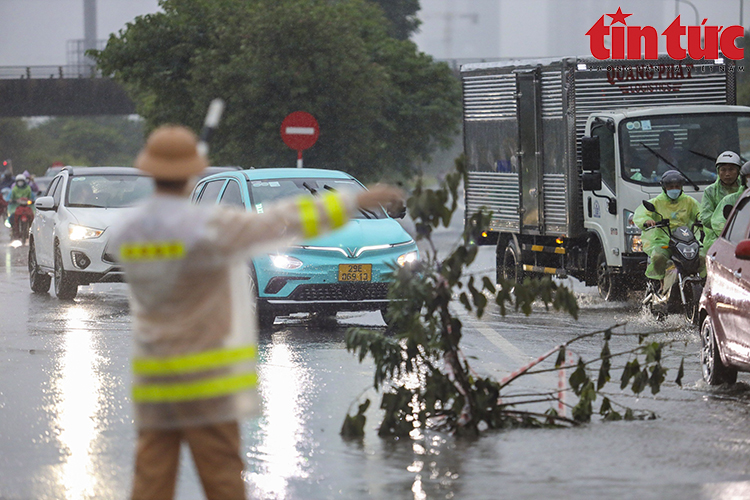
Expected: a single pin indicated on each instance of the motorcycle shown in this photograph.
(685, 291)
(22, 218)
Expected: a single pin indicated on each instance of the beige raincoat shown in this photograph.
(195, 349)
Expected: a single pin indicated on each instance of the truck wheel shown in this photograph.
(511, 266)
(714, 371)
(611, 286)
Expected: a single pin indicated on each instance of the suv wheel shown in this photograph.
(714, 371)
(65, 286)
(39, 281)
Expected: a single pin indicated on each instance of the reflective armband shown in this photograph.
(334, 209)
(308, 215)
(154, 250)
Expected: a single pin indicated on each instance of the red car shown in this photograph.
(725, 303)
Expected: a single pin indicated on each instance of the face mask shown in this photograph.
(674, 193)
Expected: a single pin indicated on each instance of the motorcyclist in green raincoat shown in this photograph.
(728, 166)
(21, 189)
(680, 209)
(718, 221)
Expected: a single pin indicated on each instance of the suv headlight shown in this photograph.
(76, 232)
(285, 262)
(407, 258)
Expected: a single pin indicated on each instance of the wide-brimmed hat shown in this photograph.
(171, 153)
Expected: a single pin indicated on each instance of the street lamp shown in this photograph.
(677, 10)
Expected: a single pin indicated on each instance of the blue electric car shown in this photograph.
(345, 270)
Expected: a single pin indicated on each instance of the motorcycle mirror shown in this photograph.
(649, 206)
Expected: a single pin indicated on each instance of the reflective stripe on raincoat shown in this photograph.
(681, 212)
(195, 339)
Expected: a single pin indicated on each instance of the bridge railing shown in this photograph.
(42, 72)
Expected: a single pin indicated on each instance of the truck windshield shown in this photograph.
(651, 145)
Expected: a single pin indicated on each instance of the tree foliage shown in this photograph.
(380, 103)
(402, 15)
(90, 141)
(425, 378)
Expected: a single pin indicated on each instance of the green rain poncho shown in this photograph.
(681, 212)
(711, 199)
(718, 221)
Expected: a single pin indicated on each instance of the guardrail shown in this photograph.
(45, 72)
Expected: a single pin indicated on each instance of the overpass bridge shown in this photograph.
(77, 90)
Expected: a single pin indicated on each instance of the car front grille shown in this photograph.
(344, 292)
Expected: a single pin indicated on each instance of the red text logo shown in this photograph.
(625, 41)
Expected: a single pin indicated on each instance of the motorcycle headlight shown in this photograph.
(285, 262)
(689, 251)
(407, 258)
(76, 232)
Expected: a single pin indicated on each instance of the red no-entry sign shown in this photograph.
(299, 130)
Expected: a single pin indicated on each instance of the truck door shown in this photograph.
(599, 206)
(528, 101)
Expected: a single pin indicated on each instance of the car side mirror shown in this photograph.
(45, 203)
(742, 250)
(727, 210)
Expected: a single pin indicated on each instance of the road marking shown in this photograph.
(515, 354)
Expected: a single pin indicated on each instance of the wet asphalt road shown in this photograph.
(66, 428)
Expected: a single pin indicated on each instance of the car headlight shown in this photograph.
(76, 232)
(285, 262)
(407, 258)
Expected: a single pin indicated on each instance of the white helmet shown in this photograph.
(20, 177)
(729, 158)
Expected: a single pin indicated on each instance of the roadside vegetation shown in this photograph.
(381, 104)
(423, 376)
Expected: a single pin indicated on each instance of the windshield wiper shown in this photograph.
(695, 186)
(309, 188)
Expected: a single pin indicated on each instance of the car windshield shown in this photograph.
(649, 146)
(263, 192)
(108, 190)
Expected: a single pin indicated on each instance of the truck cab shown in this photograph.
(625, 152)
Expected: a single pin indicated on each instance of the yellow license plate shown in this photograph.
(355, 272)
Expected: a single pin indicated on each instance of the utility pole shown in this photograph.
(89, 27)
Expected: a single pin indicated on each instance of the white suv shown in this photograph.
(69, 233)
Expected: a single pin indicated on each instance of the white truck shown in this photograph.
(562, 151)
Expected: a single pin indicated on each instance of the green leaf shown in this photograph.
(579, 377)
(560, 361)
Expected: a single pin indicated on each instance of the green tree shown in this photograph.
(743, 73)
(402, 15)
(106, 140)
(425, 378)
(380, 103)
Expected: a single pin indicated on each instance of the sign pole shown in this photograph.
(299, 158)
